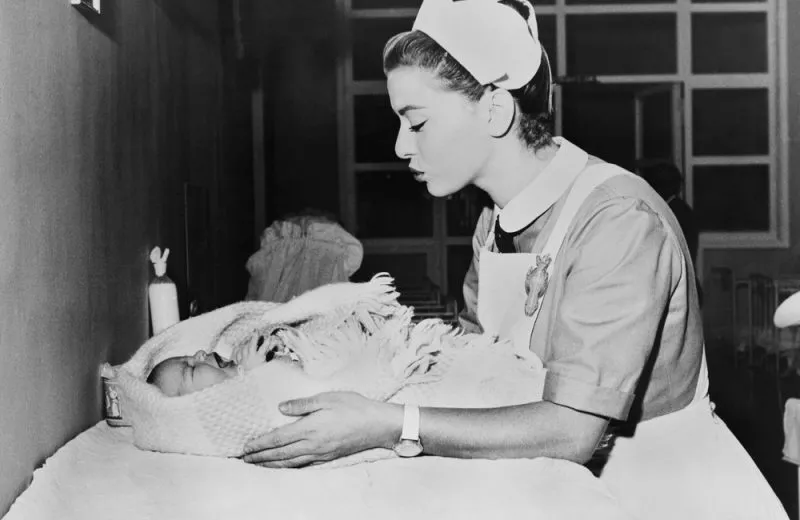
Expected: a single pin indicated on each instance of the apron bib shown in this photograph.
(511, 286)
(685, 465)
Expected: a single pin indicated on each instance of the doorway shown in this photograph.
(632, 125)
(426, 243)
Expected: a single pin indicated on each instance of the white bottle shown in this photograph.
(163, 294)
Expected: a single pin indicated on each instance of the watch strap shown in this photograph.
(410, 422)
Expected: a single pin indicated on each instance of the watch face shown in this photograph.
(408, 448)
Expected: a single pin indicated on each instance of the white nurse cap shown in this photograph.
(788, 313)
(489, 39)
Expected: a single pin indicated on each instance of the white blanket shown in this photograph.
(101, 475)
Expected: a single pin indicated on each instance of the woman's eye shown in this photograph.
(417, 128)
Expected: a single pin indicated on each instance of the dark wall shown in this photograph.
(298, 42)
(102, 121)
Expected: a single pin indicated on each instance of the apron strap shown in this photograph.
(582, 187)
(587, 181)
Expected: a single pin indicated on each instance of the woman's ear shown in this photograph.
(502, 110)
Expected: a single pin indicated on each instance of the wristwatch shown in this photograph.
(409, 444)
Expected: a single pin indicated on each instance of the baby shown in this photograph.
(182, 375)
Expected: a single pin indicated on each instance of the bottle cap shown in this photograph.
(107, 371)
(159, 260)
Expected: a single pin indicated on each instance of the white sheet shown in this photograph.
(100, 474)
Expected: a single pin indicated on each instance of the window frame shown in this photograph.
(775, 80)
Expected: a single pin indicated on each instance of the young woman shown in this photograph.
(580, 261)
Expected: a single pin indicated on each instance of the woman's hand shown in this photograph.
(331, 425)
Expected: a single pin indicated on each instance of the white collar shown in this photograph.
(538, 196)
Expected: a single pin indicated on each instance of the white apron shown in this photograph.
(685, 465)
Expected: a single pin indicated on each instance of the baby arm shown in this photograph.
(251, 354)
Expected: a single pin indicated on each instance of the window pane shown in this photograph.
(463, 210)
(547, 36)
(458, 260)
(732, 198)
(621, 44)
(730, 121)
(408, 269)
(392, 204)
(600, 119)
(729, 43)
(385, 4)
(615, 2)
(369, 35)
(657, 114)
(375, 129)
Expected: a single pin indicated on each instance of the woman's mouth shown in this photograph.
(419, 176)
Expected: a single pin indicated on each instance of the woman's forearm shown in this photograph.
(541, 429)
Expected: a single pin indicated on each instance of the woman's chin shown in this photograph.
(439, 190)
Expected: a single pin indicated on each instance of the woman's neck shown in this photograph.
(512, 168)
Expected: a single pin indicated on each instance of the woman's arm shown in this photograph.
(337, 424)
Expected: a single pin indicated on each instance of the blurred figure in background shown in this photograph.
(667, 180)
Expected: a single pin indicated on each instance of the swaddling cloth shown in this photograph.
(348, 337)
(221, 419)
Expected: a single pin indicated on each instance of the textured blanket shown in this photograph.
(347, 336)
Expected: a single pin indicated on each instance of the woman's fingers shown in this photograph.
(303, 405)
(278, 438)
(278, 456)
(297, 462)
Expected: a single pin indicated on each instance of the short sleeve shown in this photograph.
(468, 318)
(620, 272)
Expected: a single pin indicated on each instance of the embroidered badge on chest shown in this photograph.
(536, 284)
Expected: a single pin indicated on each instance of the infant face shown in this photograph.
(183, 375)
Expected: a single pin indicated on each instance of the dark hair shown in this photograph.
(417, 49)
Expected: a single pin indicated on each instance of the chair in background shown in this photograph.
(755, 301)
(787, 319)
(429, 302)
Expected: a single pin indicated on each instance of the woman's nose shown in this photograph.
(404, 144)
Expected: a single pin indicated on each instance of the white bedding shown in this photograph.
(101, 475)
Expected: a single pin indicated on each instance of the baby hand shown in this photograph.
(250, 355)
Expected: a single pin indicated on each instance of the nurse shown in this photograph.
(579, 261)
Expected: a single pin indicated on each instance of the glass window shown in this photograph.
(392, 204)
(600, 119)
(385, 4)
(376, 129)
(621, 44)
(657, 114)
(617, 2)
(732, 198)
(369, 35)
(725, 1)
(547, 36)
(729, 43)
(730, 121)
(409, 270)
